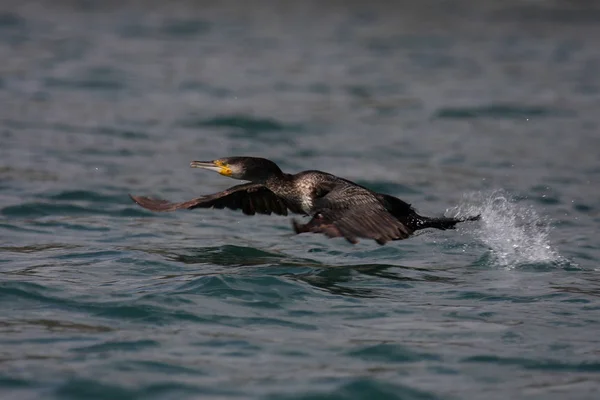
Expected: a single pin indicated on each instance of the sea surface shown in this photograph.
(457, 107)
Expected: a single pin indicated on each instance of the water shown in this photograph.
(456, 107)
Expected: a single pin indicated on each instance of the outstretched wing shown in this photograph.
(353, 212)
(251, 198)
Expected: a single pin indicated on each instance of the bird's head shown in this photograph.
(251, 169)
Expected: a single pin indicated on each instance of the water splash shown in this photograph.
(515, 233)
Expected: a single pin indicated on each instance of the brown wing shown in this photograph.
(251, 198)
(353, 212)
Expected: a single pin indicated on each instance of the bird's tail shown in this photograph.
(442, 223)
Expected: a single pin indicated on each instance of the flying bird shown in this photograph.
(338, 207)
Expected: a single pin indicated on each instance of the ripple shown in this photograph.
(499, 111)
(591, 366)
(79, 388)
(185, 27)
(11, 20)
(157, 366)
(334, 278)
(170, 28)
(226, 255)
(391, 353)
(56, 326)
(14, 28)
(37, 210)
(242, 122)
(37, 248)
(201, 87)
(17, 228)
(118, 346)
(92, 389)
(359, 389)
(556, 14)
(11, 291)
(484, 296)
(26, 174)
(89, 255)
(96, 83)
(8, 382)
(257, 292)
(84, 195)
(122, 133)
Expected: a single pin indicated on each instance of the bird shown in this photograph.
(337, 207)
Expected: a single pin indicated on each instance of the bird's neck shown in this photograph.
(277, 182)
(278, 179)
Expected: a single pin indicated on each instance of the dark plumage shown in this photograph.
(338, 207)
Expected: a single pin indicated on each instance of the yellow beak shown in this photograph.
(217, 166)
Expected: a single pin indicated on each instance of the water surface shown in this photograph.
(456, 107)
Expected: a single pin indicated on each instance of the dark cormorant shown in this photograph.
(338, 207)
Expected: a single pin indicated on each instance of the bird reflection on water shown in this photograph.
(332, 278)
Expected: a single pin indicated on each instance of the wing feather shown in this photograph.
(251, 198)
(353, 212)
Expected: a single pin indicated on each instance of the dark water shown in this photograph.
(455, 107)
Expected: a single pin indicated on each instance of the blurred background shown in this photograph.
(454, 106)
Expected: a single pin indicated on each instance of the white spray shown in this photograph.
(515, 233)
